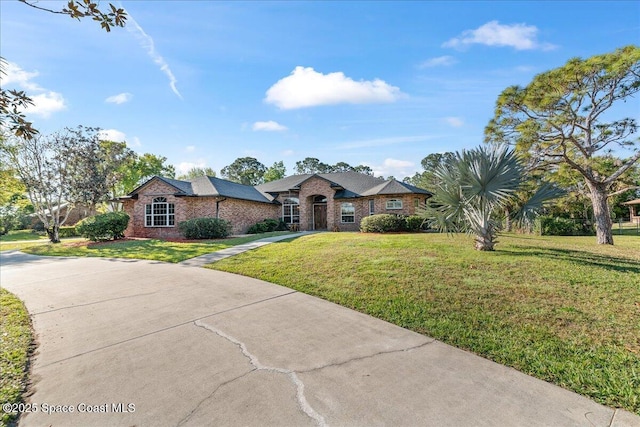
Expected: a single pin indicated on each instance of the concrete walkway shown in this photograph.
(130, 342)
(235, 250)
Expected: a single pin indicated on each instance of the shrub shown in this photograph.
(68, 231)
(414, 223)
(556, 226)
(205, 228)
(382, 223)
(268, 225)
(107, 226)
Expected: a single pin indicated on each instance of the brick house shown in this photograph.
(331, 201)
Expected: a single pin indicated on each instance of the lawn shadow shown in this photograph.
(586, 258)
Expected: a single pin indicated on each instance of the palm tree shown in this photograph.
(474, 187)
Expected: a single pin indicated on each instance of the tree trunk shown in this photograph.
(54, 233)
(485, 241)
(601, 213)
(507, 220)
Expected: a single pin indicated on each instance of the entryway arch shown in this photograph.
(319, 212)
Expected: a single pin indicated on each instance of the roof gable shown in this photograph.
(209, 186)
(348, 184)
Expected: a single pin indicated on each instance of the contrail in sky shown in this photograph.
(147, 42)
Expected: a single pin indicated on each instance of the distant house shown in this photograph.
(634, 210)
(326, 201)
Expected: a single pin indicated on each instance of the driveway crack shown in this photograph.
(195, 409)
(369, 356)
(303, 404)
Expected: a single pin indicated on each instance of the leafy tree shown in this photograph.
(13, 102)
(564, 117)
(245, 170)
(427, 179)
(472, 190)
(363, 169)
(312, 165)
(275, 172)
(45, 165)
(196, 171)
(79, 9)
(139, 169)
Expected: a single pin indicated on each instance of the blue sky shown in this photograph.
(376, 83)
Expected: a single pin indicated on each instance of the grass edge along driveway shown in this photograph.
(16, 340)
(149, 249)
(562, 309)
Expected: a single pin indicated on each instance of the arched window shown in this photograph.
(160, 213)
(348, 212)
(291, 210)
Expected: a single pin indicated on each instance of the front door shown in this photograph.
(319, 217)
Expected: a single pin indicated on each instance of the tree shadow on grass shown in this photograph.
(586, 258)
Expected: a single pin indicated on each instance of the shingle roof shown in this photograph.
(211, 186)
(348, 185)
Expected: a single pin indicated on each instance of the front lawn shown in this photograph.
(151, 249)
(562, 309)
(15, 342)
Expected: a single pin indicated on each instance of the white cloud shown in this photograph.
(190, 148)
(269, 126)
(112, 135)
(184, 167)
(456, 122)
(147, 43)
(288, 153)
(394, 167)
(518, 36)
(305, 87)
(16, 75)
(44, 103)
(440, 61)
(120, 98)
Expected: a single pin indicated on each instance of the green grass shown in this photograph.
(562, 309)
(20, 235)
(15, 343)
(158, 250)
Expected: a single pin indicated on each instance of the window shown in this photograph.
(159, 213)
(348, 212)
(416, 202)
(291, 210)
(372, 206)
(394, 204)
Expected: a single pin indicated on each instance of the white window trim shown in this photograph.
(170, 213)
(394, 204)
(351, 215)
(290, 206)
(372, 207)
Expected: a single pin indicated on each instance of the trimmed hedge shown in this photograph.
(385, 223)
(205, 228)
(68, 231)
(107, 226)
(267, 225)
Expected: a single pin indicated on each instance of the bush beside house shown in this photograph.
(107, 226)
(205, 228)
(386, 223)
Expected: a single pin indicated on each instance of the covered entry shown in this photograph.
(319, 213)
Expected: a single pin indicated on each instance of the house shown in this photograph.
(634, 210)
(322, 201)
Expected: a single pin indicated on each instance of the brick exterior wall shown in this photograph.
(316, 186)
(241, 213)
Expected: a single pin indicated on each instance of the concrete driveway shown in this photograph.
(143, 343)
